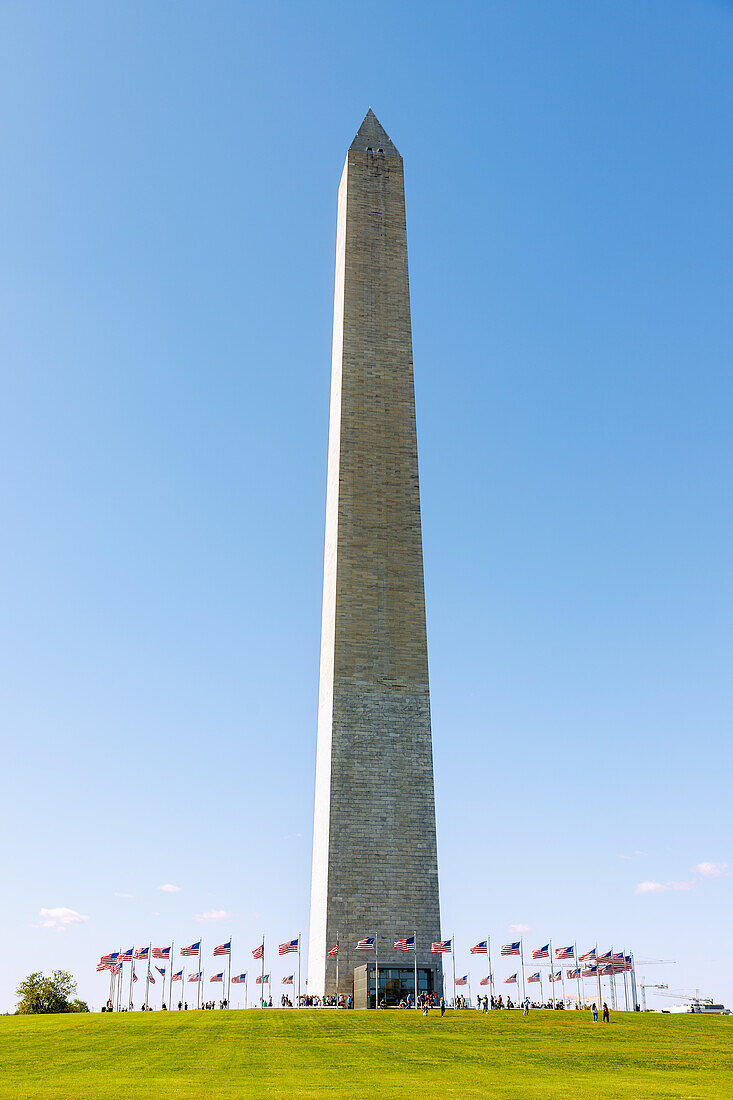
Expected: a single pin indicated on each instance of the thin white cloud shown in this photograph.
(712, 870)
(155, 914)
(662, 887)
(650, 888)
(213, 914)
(59, 918)
(119, 895)
(169, 888)
(520, 927)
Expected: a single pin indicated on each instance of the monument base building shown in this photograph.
(375, 866)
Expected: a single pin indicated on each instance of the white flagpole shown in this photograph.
(577, 970)
(111, 984)
(491, 973)
(552, 971)
(262, 983)
(376, 969)
(613, 981)
(147, 979)
(162, 992)
(132, 967)
(598, 980)
(337, 967)
(299, 937)
(414, 936)
(521, 959)
(453, 957)
(229, 976)
(626, 985)
(183, 985)
(170, 982)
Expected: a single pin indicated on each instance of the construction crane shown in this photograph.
(644, 988)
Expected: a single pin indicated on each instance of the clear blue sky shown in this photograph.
(167, 208)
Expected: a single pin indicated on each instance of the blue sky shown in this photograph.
(167, 208)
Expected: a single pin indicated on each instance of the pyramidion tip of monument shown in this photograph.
(372, 135)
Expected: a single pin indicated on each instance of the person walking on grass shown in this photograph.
(606, 1016)
(594, 1010)
(442, 1006)
(526, 1006)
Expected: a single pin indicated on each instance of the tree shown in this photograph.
(37, 994)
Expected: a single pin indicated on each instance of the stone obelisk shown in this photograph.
(375, 866)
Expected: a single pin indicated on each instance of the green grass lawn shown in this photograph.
(352, 1054)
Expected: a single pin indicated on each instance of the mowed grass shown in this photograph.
(307, 1053)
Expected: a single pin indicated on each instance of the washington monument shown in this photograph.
(375, 864)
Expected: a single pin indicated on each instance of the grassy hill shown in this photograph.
(276, 1053)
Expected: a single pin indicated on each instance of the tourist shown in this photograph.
(526, 1006)
(606, 1017)
(594, 1010)
(442, 1006)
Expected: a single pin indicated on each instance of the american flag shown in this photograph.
(441, 947)
(542, 952)
(534, 977)
(117, 968)
(618, 959)
(161, 971)
(486, 980)
(288, 948)
(151, 979)
(126, 956)
(104, 966)
(142, 953)
(589, 956)
(511, 979)
(217, 977)
(134, 976)
(556, 975)
(194, 977)
(463, 980)
(192, 950)
(573, 973)
(565, 952)
(262, 979)
(510, 948)
(110, 958)
(365, 945)
(239, 978)
(405, 945)
(607, 969)
(605, 957)
(259, 952)
(288, 981)
(334, 950)
(479, 948)
(590, 971)
(161, 952)
(223, 949)
(177, 977)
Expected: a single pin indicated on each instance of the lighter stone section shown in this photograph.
(374, 848)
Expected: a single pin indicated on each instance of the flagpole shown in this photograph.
(147, 980)
(299, 936)
(626, 985)
(613, 980)
(229, 976)
(414, 936)
(262, 983)
(521, 959)
(633, 980)
(376, 970)
(132, 967)
(453, 957)
(170, 983)
(598, 979)
(183, 985)
(200, 982)
(552, 971)
(491, 973)
(111, 983)
(337, 968)
(162, 994)
(577, 970)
